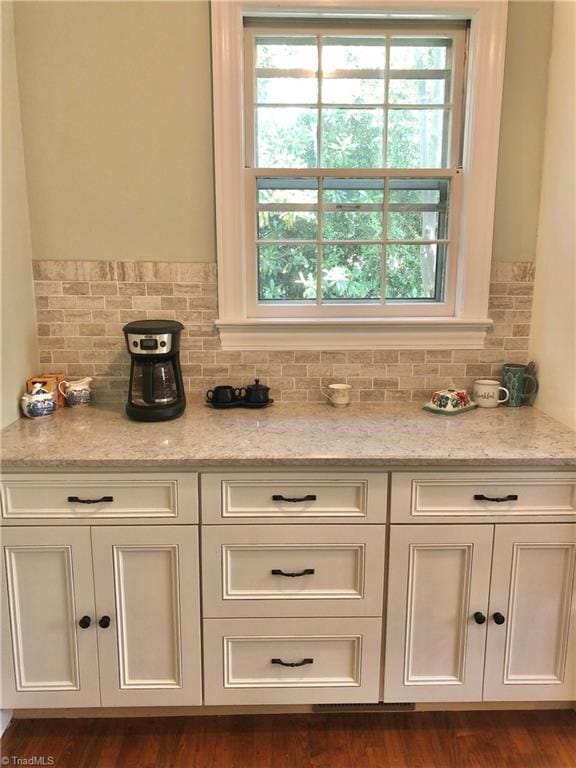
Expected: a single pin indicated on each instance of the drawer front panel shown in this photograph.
(121, 498)
(291, 662)
(490, 496)
(295, 571)
(280, 497)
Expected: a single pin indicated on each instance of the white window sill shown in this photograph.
(361, 333)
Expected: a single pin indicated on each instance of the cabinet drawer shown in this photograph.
(298, 570)
(419, 497)
(328, 660)
(281, 497)
(118, 498)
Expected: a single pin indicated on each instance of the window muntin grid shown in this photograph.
(327, 239)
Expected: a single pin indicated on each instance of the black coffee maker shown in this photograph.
(156, 389)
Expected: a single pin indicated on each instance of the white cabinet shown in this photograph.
(459, 630)
(532, 654)
(146, 580)
(293, 576)
(47, 587)
(292, 661)
(294, 570)
(280, 497)
(101, 587)
(125, 498)
(115, 622)
(439, 576)
(483, 496)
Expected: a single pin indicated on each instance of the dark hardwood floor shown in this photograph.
(527, 739)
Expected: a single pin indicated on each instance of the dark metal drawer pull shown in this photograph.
(77, 500)
(292, 663)
(294, 499)
(305, 572)
(497, 499)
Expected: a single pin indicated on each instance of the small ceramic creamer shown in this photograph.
(77, 392)
(37, 403)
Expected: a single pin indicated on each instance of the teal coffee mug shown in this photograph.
(514, 378)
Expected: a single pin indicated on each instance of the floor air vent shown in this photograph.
(379, 707)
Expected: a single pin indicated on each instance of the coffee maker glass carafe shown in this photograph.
(153, 383)
(156, 390)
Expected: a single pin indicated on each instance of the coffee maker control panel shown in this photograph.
(149, 344)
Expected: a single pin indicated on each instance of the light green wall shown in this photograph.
(116, 107)
(116, 111)
(522, 130)
(19, 358)
(553, 328)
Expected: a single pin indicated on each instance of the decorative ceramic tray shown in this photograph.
(452, 411)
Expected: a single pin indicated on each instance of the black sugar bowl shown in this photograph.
(257, 394)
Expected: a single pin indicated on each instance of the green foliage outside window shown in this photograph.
(361, 138)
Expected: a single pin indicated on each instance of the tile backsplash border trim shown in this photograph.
(82, 306)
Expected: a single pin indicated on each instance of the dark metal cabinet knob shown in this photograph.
(85, 622)
(498, 618)
(479, 617)
(104, 622)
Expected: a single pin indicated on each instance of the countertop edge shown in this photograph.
(315, 463)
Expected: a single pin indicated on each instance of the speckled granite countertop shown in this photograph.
(394, 435)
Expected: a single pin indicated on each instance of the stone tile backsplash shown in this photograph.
(82, 306)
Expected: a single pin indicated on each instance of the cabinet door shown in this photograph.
(48, 660)
(531, 654)
(146, 582)
(439, 578)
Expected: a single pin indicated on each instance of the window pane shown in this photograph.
(286, 272)
(287, 225)
(413, 225)
(287, 90)
(352, 225)
(351, 272)
(412, 53)
(353, 53)
(281, 52)
(352, 138)
(411, 271)
(286, 137)
(353, 190)
(419, 191)
(352, 90)
(292, 191)
(417, 139)
(420, 91)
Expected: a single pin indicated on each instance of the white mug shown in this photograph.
(486, 393)
(338, 394)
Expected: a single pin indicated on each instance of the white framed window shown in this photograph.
(355, 172)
